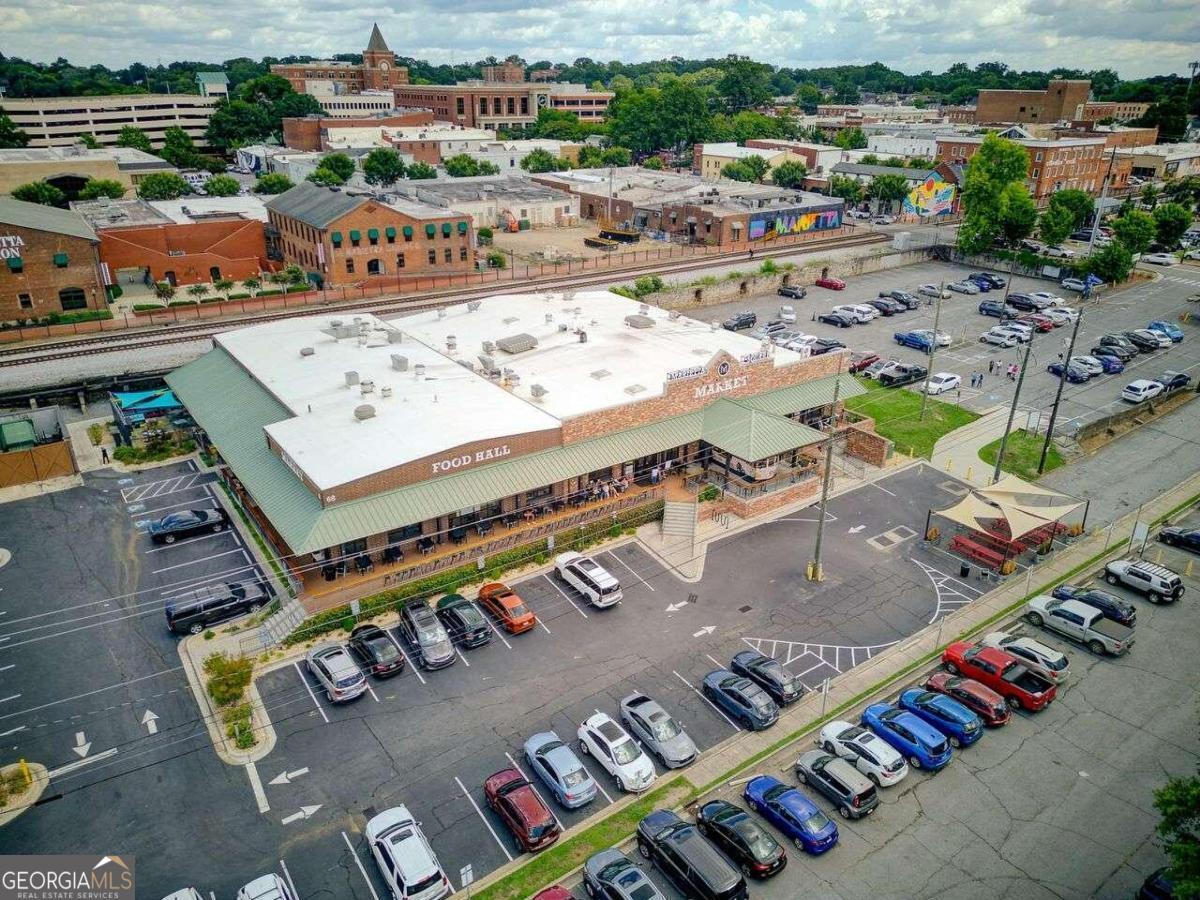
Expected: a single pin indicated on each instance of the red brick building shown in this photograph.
(378, 70)
(309, 133)
(200, 252)
(1056, 103)
(48, 262)
(1053, 165)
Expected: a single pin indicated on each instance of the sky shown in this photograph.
(1135, 37)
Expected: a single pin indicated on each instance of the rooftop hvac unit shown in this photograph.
(466, 364)
(673, 315)
(538, 391)
(395, 336)
(364, 411)
(563, 326)
(385, 391)
(451, 343)
(583, 337)
(549, 318)
(513, 380)
(399, 363)
(714, 325)
(336, 323)
(473, 305)
(419, 370)
(517, 343)
(441, 313)
(307, 351)
(488, 346)
(639, 321)
(351, 379)
(644, 309)
(486, 362)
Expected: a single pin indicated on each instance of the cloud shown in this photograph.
(1136, 37)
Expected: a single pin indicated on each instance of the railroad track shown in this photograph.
(183, 334)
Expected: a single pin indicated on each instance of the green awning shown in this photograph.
(336, 237)
(355, 234)
(447, 228)
(390, 231)
(462, 227)
(15, 262)
(60, 260)
(373, 233)
(408, 231)
(430, 230)
(751, 434)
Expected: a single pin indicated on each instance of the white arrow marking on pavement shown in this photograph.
(676, 607)
(82, 745)
(856, 529)
(305, 812)
(707, 629)
(288, 777)
(150, 720)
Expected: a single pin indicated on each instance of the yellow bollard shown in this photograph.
(1158, 556)
(1187, 570)
(948, 465)
(25, 773)
(968, 473)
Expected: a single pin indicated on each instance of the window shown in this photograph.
(1038, 158)
(449, 255)
(399, 260)
(462, 254)
(524, 106)
(496, 106)
(25, 301)
(407, 533)
(1035, 173)
(374, 267)
(72, 298)
(461, 107)
(433, 257)
(349, 267)
(350, 548)
(512, 106)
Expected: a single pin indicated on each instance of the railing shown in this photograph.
(744, 491)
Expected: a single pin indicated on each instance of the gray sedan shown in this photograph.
(557, 766)
(964, 287)
(658, 732)
(612, 874)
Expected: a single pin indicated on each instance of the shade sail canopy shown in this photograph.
(970, 511)
(1005, 500)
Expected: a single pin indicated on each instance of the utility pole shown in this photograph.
(1012, 410)
(937, 315)
(1062, 381)
(1100, 206)
(814, 568)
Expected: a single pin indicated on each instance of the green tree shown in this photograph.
(1149, 196)
(236, 123)
(921, 162)
(178, 148)
(1178, 803)
(894, 162)
(163, 186)
(89, 141)
(273, 183)
(1171, 220)
(1184, 191)
(808, 95)
(1136, 230)
(102, 187)
(198, 290)
(744, 84)
(1018, 213)
(340, 163)
(488, 168)
(223, 285)
(11, 137)
(40, 192)
(653, 162)
(540, 160)
(325, 177)
(634, 120)
(616, 156)
(888, 189)
(461, 166)
(846, 188)
(790, 173)
(997, 164)
(420, 171)
(222, 186)
(850, 139)
(164, 290)
(752, 168)
(383, 167)
(134, 138)
(1079, 203)
(1111, 262)
(1055, 224)
(264, 90)
(869, 159)
(252, 284)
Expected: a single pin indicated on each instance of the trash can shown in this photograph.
(964, 570)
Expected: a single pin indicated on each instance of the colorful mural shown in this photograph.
(766, 226)
(930, 198)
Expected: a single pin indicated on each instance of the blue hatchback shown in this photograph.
(1170, 329)
(946, 714)
(1112, 365)
(792, 813)
(921, 744)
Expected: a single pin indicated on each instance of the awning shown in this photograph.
(60, 260)
(1002, 501)
(969, 512)
(462, 227)
(691, 220)
(447, 228)
(408, 231)
(336, 237)
(1011, 484)
(373, 233)
(15, 263)
(430, 230)
(355, 234)
(390, 231)
(752, 434)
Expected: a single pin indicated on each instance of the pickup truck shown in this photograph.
(1002, 672)
(1080, 622)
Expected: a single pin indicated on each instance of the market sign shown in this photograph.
(10, 246)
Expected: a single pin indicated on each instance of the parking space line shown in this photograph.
(288, 876)
(308, 687)
(565, 596)
(810, 668)
(195, 540)
(700, 694)
(194, 561)
(496, 631)
(719, 664)
(358, 862)
(483, 818)
(535, 790)
(543, 624)
(189, 503)
(633, 573)
(463, 658)
(260, 796)
(371, 691)
(599, 786)
(411, 665)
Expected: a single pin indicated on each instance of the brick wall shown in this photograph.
(40, 280)
(237, 247)
(863, 443)
(763, 503)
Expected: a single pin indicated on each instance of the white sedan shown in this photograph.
(1089, 364)
(932, 290)
(1041, 658)
(941, 382)
(1061, 315)
(618, 754)
(964, 287)
(943, 339)
(1052, 299)
(1160, 259)
(865, 750)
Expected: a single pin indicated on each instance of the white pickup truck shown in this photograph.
(1081, 623)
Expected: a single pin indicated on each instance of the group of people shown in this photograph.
(1012, 370)
(602, 490)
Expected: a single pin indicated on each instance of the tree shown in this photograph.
(540, 160)
(851, 139)
(40, 192)
(1149, 196)
(808, 96)
(11, 137)
(616, 156)
(888, 189)
(178, 148)
(488, 168)
(653, 162)
(339, 163)
(198, 290)
(1079, 203)
(164, 290)
(921, 162)
(1171, 220)
(236, 123)
(89, 141)
(134, 138)
(325, 177)
(1055, 224)
(1112, 262)
(421, 171)
(869, 159)
(744, 84)
(683, 115)
(163, 186)
(1184, 191)
(252, 284)
(1178, 802)
(1136, 230)
(383, 167)
(1018, 213)
(894, 162)
(752, 168)
(273, 183)
(222, 186)
(461, 166)
(102, 187)
(790, 173)
(997, 164)
(264, 90)
(846, 188)
(223, 285)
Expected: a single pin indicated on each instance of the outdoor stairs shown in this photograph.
(679, 519)
(281, 624)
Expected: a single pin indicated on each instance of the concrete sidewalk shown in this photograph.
(957, 452)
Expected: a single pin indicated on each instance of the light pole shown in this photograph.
(1112, 153)
(937, 315)
(1062, 381)
(814, 568)
(1012, 410)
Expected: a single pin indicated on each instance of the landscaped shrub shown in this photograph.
(238, 726)
(212, 300)
(175, 303)
(146, 307)
(114, 292)
(297, 288)
(269, 293)
(228, 677)
(237, 297)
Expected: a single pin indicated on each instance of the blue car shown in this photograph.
(984, 284)
(921, 744)
(946, 714)
(792, 813)
(743, 700)
(1112, 365)
(557, 766)
(914, 339)
(1171, 330)
(1075, 374)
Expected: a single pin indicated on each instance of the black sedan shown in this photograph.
(1023, 302)
(769, 675)
(902, 374)
(188, 523)
(1114, 351)
(742, 839)
(375, 652)
(740, 699)
(841, 320)
(887, 306)
(824, 345)
(1187, 538)
(792, 291)
(1075, 374)
(1113, 607)
(1119, 340)
(997, 309)
(1143, 343)
(992, 279)
(463, 621)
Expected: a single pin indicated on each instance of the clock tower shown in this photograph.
(380, 72)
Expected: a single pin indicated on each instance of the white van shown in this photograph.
(787, 314)
(589, 578)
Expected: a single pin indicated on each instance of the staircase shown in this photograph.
(679, 519)
(278, 626)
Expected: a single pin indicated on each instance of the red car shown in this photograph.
(978, 698)
(1000, 671)
(1037, 321)
(833, 284)
(554, 893)
(860, 359)
(518, 804)
(509, 609)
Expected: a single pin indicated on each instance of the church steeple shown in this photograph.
(377, 44)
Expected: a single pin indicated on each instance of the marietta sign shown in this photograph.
(10, 246)
(468, 459)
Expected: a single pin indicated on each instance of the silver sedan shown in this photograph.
(661, 734)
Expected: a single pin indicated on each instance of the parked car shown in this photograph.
(1159, 885)
(1075, 374)
(1157, 582)
(824, 345)
(406, 861)
(964, 287)
(738, 836)
(887, 306)
(841, 320)
(1160, 259)
(941, 382)
(860, 360)
(797, 817)
(210, 604)
(801, 342)
(1119, 340)
(426, 635)
(859, 312)
(1002, 672)
(1083, 235)
(974, 695)
(617, 753)
(1170, 329)
(918, 340)
(1061, 315)
(1039, 322)
(556, 766)
(188, 523)
(1174, 381)
(1112, 365)
(960, 725)
(741, 320)
(1141, 390)
(1147, 341)
(1089, 364)
(1051, 300)
(920, 743)
(766, 329)
(999, 337)
(830, 283)
(845, 787)
(904, 373)
(904, 298)
(768, 674)
(336, 673)
(743, 700)
(983, 285)
(787, 314)
(589, 578)
(865, 750)
(694, 866)
(1020, 330)
(375, 651)
(1074, 284)
(858, 213)
(658, 731)
(991, 278)
(508, 608)
(266, 887)
(463, 621)
(1041, 658)
(794, 291)
(1186, 538)
(1119, 353)
(997, 309)
(611, 875)
(1058, 252)
(883, 220)
(883, 365)
(515, 802)
(1111, 605)
(1081, 623)
(932, 290)
(1023, 302)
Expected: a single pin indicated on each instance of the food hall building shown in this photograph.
(374, 452)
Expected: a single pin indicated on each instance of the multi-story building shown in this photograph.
(62, 121)
(710, 159)
(817, 158)
(1118, 111)
(1164, 160)
(377, 72)
(70, 168)
(902, 145)
(352, 106)
(347, 238)
(1053, 165)
(496, 201)
(1056, 103)
(322, 132)
(482, 104)
(48, 262)
(959, 115)
(506, 72)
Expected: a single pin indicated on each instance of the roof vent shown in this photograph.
(367, 386)
(385, 391)
(364, 411)
(538, 391)
(399, 363)
(441, 313)
(583, 337)
(307, 351)
(487, 362)
(644, 309)
(488, 347)
(336, 323)
(451, 343)
(508, 320)
(517, 343)
(600, 374)
(639, 321)
(473, 305)
(351, 379)
(419, 370)
(395, 336)
(634, 389)
(549, 318)
(513, 379)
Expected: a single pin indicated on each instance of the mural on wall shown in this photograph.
(765, 226)
(930, 198)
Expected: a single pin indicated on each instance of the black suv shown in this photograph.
(692, 864)
(1023, 302)
(887, 306)
(738, 321)
(1119, 340)
(1141, 342)
(375, 651)
(1111, 605)
(1124, 354)
(463, 621)
(213, 603)
(793, 291)
(903, 374)
(769, 675)
(907, 300)
(997, 309)
(992, 279)
(742, 839)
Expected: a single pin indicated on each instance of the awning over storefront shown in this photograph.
(753, 435)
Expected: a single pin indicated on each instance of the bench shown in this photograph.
(975, 551)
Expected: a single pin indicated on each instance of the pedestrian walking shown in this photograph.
(991, 367)
(104, 454)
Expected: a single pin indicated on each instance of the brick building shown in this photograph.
(1053, 165)
(959, 115)
(344, 238)
(48, 262)
(1056, 103)
(378, 71)
(314, 132)
(507, 72)
(483, 104)
(1096, 110)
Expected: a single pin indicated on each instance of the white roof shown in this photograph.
(248, 205)
(733, 151)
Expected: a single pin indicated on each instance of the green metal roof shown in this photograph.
(234, 409)
(44, 218)
(818, 392)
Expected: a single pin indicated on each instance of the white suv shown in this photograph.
(859, 312)
(405, 859)
(266, 887)
(335, 669)
(589, 578)
(865, 750)
(618, 754)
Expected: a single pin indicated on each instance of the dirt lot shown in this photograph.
(551, 244)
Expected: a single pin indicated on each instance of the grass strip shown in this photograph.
(897, 415)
